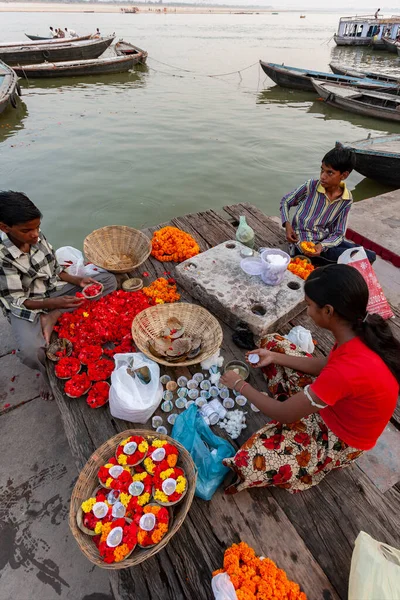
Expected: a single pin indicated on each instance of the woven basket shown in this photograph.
(106, 248)
(198, 322)
(87, 481)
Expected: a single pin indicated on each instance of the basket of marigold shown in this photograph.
(162, 291)
(132, 450)
(308, 247)
(300, 267)
(173, 244)
(114, 476)
(86, 482)
(153, 522)
(169, 485)
(160, 453)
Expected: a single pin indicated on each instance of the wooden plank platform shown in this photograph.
(310, 535)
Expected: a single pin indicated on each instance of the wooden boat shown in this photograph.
(362, 102)
(390, 45)
(96, 66)
(39, 42)
(350, 72)
(30, 55)
(377, 158)
(37, 37)
(301, 79)
(9, 87)
(366, 30)
(128, 49)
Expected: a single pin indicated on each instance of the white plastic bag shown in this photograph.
(130, 398)
(302, 338)
(222, 587)
(375, 570)
(73, 262)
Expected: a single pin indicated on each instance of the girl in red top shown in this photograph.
(335, 408)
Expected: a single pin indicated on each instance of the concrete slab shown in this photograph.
(382, 463)
(39, 557)
(18, 384)
(215, 279)
(7, 343)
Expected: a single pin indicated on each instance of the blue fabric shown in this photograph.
(206, 449)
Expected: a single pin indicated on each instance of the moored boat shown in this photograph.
(123, 48)
(390, 45)
(97, 66)
(368, 30)
(39, 42)
(349, 71)
(301, 79)
(377, 158)
(35, 54)
(9, 88)
(360, 101)
(37, 37)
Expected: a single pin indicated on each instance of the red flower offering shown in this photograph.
(114, 476)
(98, 394)
(132, 450)
(139, 492)
(89, 354)
(77, 386)
(117, 540)
(93, 290)
(170, 485)
(160, 453)
(67, 367)
(100, 370)
(153, 523)
(96, 509)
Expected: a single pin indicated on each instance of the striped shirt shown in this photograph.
(317, 218)
(26, 275)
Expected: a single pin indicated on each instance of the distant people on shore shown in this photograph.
(71, 33)
(60, 33)
(53, 32)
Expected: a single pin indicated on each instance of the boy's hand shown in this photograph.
(66, 302)
(86, 281)
(290, 233)
(317, 251)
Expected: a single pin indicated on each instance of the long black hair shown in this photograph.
(345, 289)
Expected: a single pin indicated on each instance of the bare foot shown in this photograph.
(44, 390)
(48, 321)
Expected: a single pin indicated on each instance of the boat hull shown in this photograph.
(9, 89)
(34, 38)
(352, 41)
(390, 45)
(338, 70)
(371, 160)
(119, 64)
(126, 49)
(64, 52)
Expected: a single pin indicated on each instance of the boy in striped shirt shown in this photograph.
(322, 209)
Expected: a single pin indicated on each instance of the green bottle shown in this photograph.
(244, 233)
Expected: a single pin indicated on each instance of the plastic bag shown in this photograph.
(302, 337)
(73, 262)
(375, 570)
(130, 397)
(357, 258)
(206, 449)
(222, 587)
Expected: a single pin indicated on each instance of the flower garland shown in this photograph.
(300, 267)
(101, 369)
(124, 548)
(172, 244)
(155, 535)
(162, 291)
(132, 456)
(308, 247)
(257, 578)
(98, 394)
(168, 458)
(89, 354)
(173, 473)
(77, 385)
(67, 367)
(120, 482)
(134, 503)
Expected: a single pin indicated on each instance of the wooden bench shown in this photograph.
(310, 535)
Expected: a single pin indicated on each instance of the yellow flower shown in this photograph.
(122, 459)
(149, 465)
(125, 498)
(180, 484)
(109, 482)
(143, 447)
(125, 441)
(109, 465)
(88, 505)
(139, 476)
(159, 443)
(159, 495)
(98, 528)
(143, 499)
(159, 301)
(166, 474)
(85, 314)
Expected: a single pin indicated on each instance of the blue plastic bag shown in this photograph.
(206, 449)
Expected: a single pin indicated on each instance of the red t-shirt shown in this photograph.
(360, 391)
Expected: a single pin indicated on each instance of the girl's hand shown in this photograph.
(266, 357)
(230, 378)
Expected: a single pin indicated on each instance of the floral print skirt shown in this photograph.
(294, 456)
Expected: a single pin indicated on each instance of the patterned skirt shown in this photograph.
(294, 456)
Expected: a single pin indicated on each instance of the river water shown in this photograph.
(140, 148)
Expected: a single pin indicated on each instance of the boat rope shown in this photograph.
(237, 72)
(171, 66)
(233, 72)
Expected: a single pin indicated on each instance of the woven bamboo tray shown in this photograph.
(107, 247)
(198, 322)
(87, 483)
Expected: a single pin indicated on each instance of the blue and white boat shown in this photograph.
(9, 87)
(301, 79)
(377, 158)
